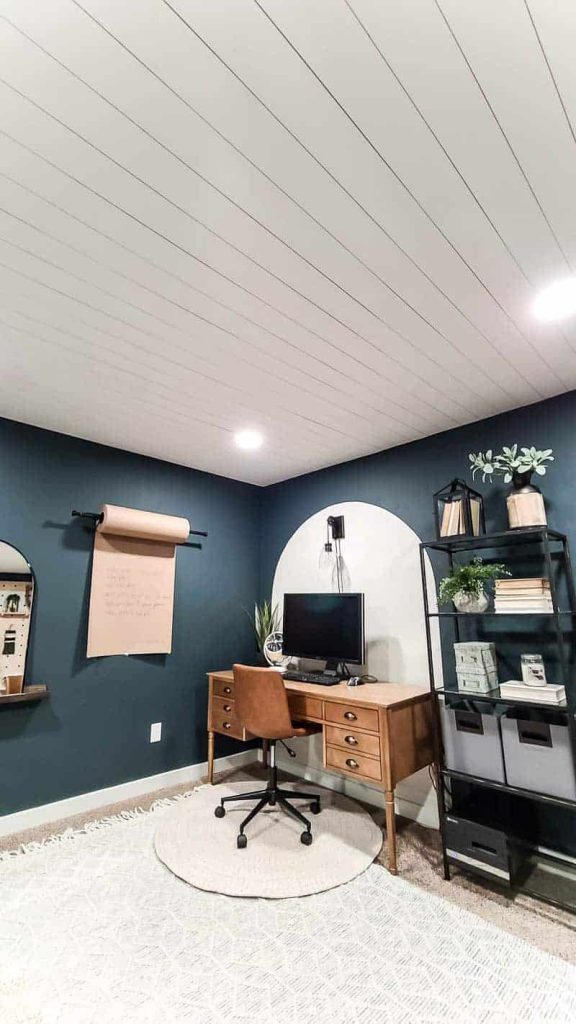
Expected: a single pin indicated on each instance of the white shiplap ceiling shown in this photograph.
(324, 219)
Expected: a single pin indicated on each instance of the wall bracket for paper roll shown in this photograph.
(97, 517)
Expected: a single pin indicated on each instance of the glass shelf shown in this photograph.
(493, 697)
(531, 794)
(509, 538)
(497, 615)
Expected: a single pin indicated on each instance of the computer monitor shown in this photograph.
(329, 627)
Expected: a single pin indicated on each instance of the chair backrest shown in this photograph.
(261, 703)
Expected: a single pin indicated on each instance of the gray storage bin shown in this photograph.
(538, 756)
(472, 743)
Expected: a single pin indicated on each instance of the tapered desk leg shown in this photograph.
(265, 752)
(391, 832)
(210, 757)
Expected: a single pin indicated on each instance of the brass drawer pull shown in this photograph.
(227, 708)
(227, 725)
(350, 716)
(351, 762)
(351, 740)
(228, 690)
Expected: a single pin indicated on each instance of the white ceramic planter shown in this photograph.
(470, 602)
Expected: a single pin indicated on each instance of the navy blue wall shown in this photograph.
(94, 730)
(404, 479)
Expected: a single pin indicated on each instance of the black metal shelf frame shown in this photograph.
(550, 544)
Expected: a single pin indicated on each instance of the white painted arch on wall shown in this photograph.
(382, 555)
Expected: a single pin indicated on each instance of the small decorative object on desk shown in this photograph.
(465, 585)
(533, 673)
(273, 651)
(458, 511)
(525, 503)
(516, 690)
(523, 596)
(476, 666)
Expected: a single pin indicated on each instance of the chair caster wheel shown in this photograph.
(219, 812)
(315, 808)
(241, 842)
(306, 838)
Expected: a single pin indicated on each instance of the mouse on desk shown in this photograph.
(360, 680)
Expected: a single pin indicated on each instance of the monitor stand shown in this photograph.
(336, 668)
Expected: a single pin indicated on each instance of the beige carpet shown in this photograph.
(201, 849)
(551, 930)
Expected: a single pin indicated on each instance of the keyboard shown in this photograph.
(312, 677)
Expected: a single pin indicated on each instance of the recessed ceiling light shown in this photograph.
(248, 439)
(558, 301)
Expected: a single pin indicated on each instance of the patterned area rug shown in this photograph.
(93, 928)
(201, 848)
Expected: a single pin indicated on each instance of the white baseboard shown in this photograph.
(425, 813)
(84, 802)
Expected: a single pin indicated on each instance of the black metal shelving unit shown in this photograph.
(552, 550)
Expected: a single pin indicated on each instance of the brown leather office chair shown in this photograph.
(261, 704)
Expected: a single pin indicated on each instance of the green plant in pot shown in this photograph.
(517, 466)
(465, 585)
(264, 620)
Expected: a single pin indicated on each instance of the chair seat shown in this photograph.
(307, 729)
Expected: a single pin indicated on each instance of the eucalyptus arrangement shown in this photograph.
(516, 466)
(465, 585)
(265, 620)
(510, 464)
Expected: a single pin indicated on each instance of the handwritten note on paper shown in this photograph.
(131, 599)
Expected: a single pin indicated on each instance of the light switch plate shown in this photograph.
(155, 732)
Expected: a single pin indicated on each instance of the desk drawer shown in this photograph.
(223, 718)
(305, 707)
(351, 716)
(223, 688)
(361, 742)
(352, 763)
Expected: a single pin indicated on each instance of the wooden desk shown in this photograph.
(378, 733)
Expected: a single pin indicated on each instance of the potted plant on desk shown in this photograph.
(465, 585)
(265, 620)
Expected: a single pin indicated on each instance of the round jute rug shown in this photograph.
(201, 849)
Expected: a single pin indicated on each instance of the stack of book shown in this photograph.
(523, 595)
(453, 521)
(548, 694)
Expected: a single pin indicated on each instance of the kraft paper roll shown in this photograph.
(132, 591)
(133, 522)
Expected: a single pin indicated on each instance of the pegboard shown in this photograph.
(15, 609)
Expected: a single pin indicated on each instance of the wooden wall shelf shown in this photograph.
(29, 693)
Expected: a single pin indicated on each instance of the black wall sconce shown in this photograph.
(334, 529)
(331, 554)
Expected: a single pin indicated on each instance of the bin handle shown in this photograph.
(484, 849)
(535, 733)
(469, 721)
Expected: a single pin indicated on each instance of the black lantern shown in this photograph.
(458, 511)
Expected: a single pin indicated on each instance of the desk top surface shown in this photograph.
(381, 694)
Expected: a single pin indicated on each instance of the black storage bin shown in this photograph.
(479, 848)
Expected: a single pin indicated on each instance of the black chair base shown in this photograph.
(270, 797)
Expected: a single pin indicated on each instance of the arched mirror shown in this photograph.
(16, 597)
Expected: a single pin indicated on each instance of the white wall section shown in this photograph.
(382, 555)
